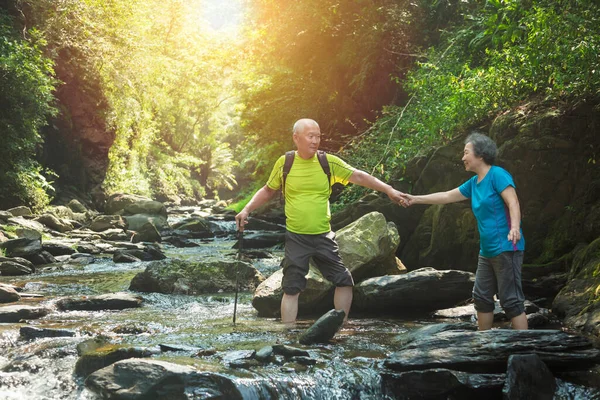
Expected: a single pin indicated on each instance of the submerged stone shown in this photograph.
(323, 330)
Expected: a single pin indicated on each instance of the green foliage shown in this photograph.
(26, 84)
(505, 52)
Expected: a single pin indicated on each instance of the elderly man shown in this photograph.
(306, 193)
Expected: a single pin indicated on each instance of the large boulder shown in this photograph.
(109, 301)
(130, 204)
(179, 276)
(578, 303)
(22, 247)
(104, 222)
(268, 295)
(55, 223)
(138, 379)
(17, 312)
(8, 294)
(368, 247)
(423, 290)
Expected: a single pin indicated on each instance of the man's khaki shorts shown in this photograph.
(325, 253)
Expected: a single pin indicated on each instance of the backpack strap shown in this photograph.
(322, 156)
(287, 166)
(289, 160)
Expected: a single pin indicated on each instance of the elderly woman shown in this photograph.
(495, 204)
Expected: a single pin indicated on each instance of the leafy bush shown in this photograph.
(26, 84)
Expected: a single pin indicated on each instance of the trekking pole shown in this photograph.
(237, 270)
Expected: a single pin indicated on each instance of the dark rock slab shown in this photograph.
(136, 379)
(57, 249)
(422, 290)
(405, 338)
(22, 247)
(15, 313)
(323, 330)
(101, 357)
(191, 277)
(8, 294)
(527, 377)
(289, 351)
(10, 268)
(179, 347)
(488, 351)
(442, 384)
(110, 301)
(31, 332)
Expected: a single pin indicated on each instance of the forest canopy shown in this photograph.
(198, 97)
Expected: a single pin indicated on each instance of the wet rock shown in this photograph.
(88, 248)
(119, 203)
(573, 304)
(195, 227)
(19, 260)
(267, 297)
(57, 249)
(171, 276)
(442, 384)
(22, 247)
(136, 379)
(323, 330)
(76, 206)
(238, 355)
(42, 258)
(488, 351)
(180, 242)
(27, 224)
(527, 377)
(110, 301)
(433, 329)
(423, 290)
(289, 351)
(147, 233)
(115, 234)
(21, 211)
(54, 223)
(8, 294)
(137, 221)
(30, 332)
(246, 364)
(179, 347)
(368, 247)
(101, 357)
(264, 354)
(537, 320)
(10, 268)
(147, 254)
(123, 257)
(16, 313)
(104, 222)
(303, 360)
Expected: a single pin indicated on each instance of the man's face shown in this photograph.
(307, 140)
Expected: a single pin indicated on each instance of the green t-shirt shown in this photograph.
(307, 192)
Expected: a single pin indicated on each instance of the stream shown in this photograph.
(347, 368)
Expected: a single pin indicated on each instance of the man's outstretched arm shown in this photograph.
(263, 195)
(361, 178)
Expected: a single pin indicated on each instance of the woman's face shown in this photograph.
(469, 159)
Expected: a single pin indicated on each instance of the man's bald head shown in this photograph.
(304, 123)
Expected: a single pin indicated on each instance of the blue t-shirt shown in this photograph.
(492, 214)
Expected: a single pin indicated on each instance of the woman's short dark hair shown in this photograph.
(483, 147)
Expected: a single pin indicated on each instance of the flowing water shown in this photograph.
(347, 368)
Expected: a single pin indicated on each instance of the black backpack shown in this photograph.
(289, 160)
